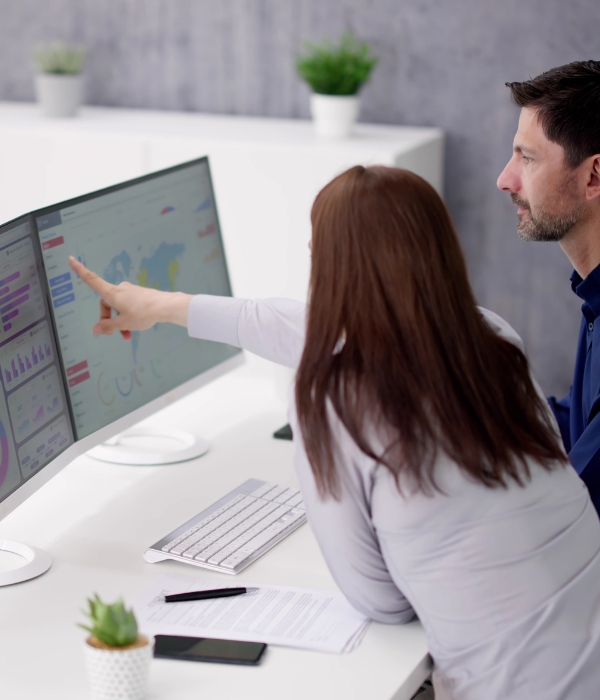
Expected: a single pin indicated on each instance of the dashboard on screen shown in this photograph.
(35, 425)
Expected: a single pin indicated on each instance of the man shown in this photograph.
(554, 179)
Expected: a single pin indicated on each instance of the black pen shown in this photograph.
(205, 595)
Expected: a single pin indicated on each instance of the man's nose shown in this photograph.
(508, 181)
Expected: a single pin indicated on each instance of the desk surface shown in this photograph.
(97, 519)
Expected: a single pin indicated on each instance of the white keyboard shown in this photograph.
(236, 530)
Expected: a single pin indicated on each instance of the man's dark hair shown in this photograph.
(568, 100)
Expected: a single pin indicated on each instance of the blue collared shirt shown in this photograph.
(578, 414)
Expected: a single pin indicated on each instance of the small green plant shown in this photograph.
(336, 70)
(111, 624)
(60, 59)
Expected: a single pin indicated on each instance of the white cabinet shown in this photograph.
(266, 173)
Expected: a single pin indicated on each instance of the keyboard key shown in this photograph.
(286, 495)
(274, 493)
(261, 490)
(295, 501)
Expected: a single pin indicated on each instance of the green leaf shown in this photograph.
(336, 70)
(60, 59)
(112, 624)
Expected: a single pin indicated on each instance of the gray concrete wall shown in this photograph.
(442, 63)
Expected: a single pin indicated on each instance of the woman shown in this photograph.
(430, 464)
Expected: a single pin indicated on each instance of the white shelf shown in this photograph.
(266, 173)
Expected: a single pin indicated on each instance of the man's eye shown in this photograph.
(527, 159)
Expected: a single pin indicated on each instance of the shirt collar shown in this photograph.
(588, 289)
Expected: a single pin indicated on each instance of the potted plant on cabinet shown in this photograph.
(59, 81)
(117, 657)
(336, 74)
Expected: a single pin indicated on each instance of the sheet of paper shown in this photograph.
(279, 615)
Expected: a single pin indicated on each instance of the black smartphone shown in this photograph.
(221, 651)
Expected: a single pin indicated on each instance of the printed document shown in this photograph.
(279, 615)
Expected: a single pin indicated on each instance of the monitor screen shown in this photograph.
(61, 384)
(162, 232)
(35, 426)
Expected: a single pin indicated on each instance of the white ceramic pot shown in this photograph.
(59, 95)
(334, 115)
(118, 674)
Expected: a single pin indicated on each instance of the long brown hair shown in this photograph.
(394, 338)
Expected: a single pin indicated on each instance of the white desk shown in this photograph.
(96, 521)
(266, 173)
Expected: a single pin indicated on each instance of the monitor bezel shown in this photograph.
(82, 445)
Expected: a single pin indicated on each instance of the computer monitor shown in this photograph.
(64, 390)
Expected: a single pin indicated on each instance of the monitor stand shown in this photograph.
(37, 563)
(117, 451)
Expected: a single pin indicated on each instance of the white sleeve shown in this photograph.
(271, 328)
(348, 539)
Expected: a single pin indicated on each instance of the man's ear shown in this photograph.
(593, 182)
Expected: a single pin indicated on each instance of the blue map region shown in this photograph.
(118, 269)
(206, 204)
(160, 269)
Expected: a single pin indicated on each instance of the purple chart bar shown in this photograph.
(16, 293)
(10, 278)
(14, 304)
(12, 314)
(7, 327)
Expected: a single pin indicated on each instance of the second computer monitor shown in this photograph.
(162, 232)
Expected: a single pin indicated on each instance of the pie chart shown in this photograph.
(5, 455)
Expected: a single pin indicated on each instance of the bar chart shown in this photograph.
(22, 357)
(20, 295)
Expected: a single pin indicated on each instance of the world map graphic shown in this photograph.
(157, 271)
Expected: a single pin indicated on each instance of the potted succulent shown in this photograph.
(117, 657)
(59, 81)
(336, 74)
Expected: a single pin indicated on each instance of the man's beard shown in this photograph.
(550, 225)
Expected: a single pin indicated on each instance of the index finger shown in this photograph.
(90, 278)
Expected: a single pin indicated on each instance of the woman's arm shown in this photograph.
(136, 308)
(270, 328)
